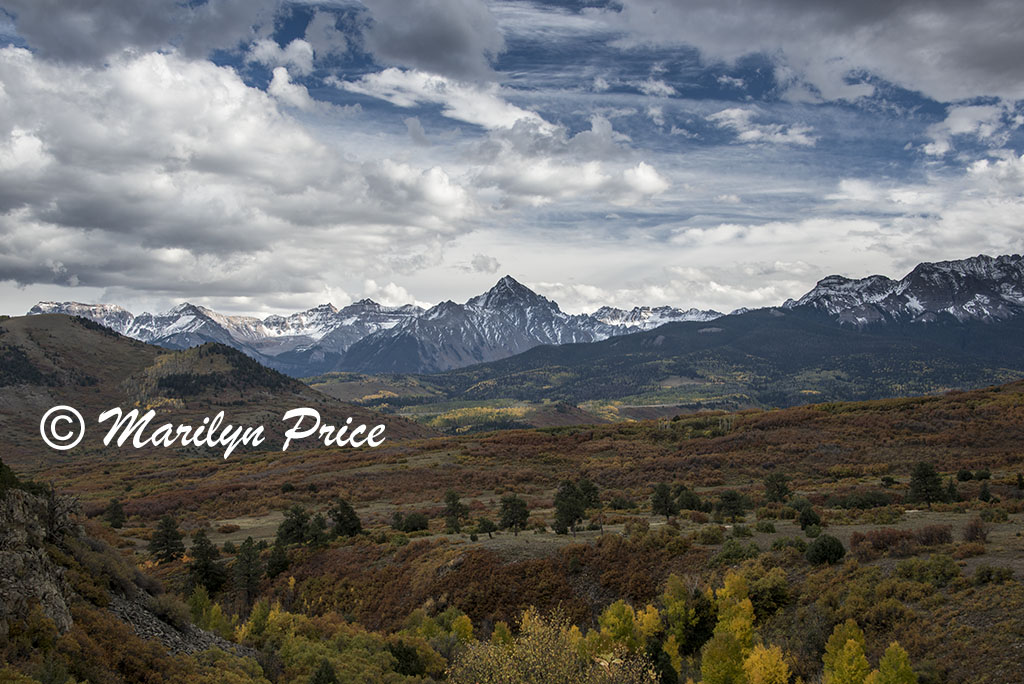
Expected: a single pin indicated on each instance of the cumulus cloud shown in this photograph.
(452, 38)
(199, 184)
(979, 121)
(656, 87)
(291, 94)
(741, 121)
(947, 50)
(297, 54)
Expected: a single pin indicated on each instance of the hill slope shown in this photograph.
(46, 360)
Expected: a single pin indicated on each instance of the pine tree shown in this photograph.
(324, 674)
(316, 531)
(293, 528)
(248, 570)
(776, 487)
(952, 493)
(589, 494)
(454, 511)
(166, 544)
(513, 514)
(662, 501)
(278, 561)
(984, 494)
(568, 508)
(203, 568)
(114, 514)
(925, 484)
(345, 522)
(486, 526)
(1020, 481)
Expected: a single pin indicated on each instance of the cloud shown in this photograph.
(90, 32)
(298, 55)
(947, 50)
(323, 35)
(980, 121)
(452, 38)
(481, 105)
(162, 174)
(416, 132)
(389, 294)
(291, 94)
(482, 263)
(739, 120)
(656, 88)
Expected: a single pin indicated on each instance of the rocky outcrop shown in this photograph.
(27, 574)
(188, 640)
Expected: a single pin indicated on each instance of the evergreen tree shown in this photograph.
(1020, 481)
(513, 514)
(687, 500)
(984, 494)
(589, 494)
(926, 484)
(316, 531)
(324, 674)
(776, 487)
(114, 514)
(808, 516)
(345, 522)
(486, 526)
(166, 544)
(203, 568)
(454, 511)
(952, 493)
(662, 501)
(568, 508)
(731, 504)
(278, 560)
(248, 570)
(294, 527)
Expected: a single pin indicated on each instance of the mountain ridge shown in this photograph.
(510, 318)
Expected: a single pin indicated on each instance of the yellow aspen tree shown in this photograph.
(765, 665)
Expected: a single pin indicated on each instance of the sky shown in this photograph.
(261, 156)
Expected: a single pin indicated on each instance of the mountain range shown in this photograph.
(510, 318)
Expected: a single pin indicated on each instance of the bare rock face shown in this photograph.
(27, 575)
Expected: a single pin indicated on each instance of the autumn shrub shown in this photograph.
(884, 540)
(228, 528)
(789, 543)
(995, 514)
(938, 570)
(985, 574)
(934, 535)
(711, 534)
(766, 526)
(171, 610)
(976, 531)
(741, 531)
(968, 550)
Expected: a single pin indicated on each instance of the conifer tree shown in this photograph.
(514, 514)
(166, 544)
(248, 570)
(203, 568)
(114, 514)
(455, 512)
(344, 520)
(662, 501)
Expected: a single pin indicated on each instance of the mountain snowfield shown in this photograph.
(510, 318)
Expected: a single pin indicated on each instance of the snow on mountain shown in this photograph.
(648, 318)
(980, 288)
(108, 315)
